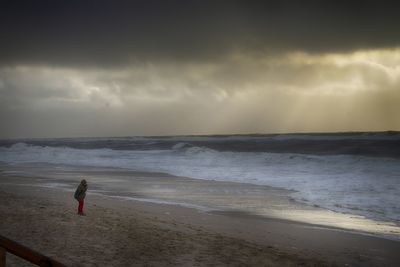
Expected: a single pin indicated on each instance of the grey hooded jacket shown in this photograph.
(80, 192)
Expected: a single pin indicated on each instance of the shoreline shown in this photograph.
(288, 241)
(204, 195)
(227, 213)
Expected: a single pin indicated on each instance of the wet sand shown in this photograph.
(121, 232)
(204, 195)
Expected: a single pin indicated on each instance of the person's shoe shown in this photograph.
(81, 213)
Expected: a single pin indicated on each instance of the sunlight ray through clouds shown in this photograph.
(294, 91)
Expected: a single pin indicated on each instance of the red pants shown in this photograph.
(80, 207)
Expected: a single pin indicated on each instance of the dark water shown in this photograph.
(377, 144)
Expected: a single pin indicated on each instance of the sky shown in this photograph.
(125, 68)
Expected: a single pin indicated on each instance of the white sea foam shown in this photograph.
(354, 184)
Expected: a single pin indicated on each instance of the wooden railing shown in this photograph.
(7, 245)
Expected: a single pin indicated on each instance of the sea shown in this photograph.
(353, 173)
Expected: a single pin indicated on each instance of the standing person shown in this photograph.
(80, 194)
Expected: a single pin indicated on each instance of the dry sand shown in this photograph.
(128, 233)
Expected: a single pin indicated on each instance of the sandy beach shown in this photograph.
(117, 234)
(121, 232)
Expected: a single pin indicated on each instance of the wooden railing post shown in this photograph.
(8, 245)
(2, 257)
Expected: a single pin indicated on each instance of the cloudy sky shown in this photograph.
(116, 68)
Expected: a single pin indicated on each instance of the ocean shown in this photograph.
(353, 173)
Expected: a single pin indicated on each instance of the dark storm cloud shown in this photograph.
(96, 68)
(115, 33)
